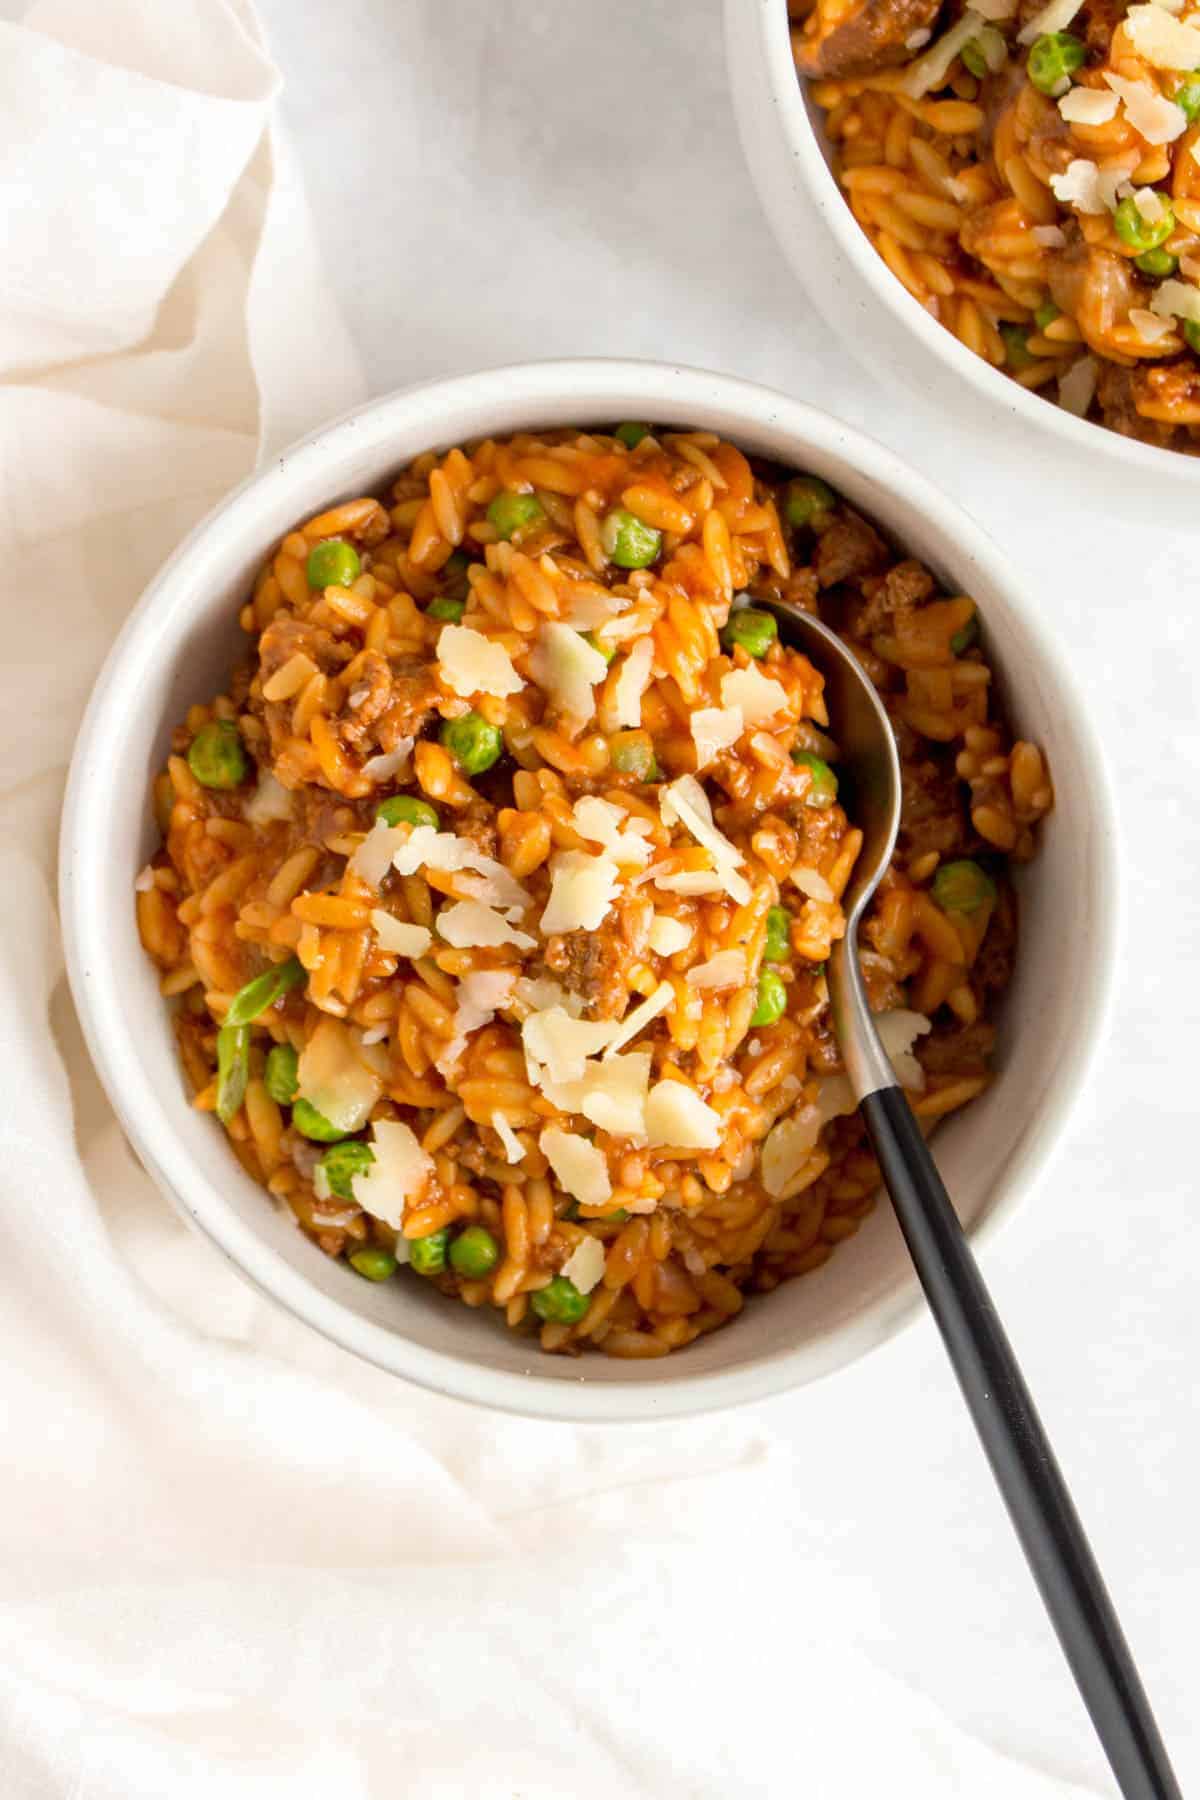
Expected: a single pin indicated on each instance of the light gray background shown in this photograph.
(496, 180)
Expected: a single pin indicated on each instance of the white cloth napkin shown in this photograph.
(234, 1562)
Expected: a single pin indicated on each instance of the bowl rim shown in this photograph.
(670, 390)
(768, 19)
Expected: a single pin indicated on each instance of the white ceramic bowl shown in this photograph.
(177, 648)
(879, 320)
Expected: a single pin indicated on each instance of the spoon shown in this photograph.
(1017, 1448)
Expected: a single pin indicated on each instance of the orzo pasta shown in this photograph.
(1029, 170)
(495, 893)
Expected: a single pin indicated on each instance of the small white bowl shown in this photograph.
(784, 140)
(177, 647)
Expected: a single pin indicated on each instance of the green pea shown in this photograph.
(823, 787)
(1053, 59)
(233, 1069)
(965, 636)
(1046, 314)
(1016, 346)
(446, 607)
(772, 999)
(343, 1163)
(215, 755)
(607, 651)
(1139, 233)
(312, 1124)
(257, 995)
(1187, 96)
(755, 631)
(511, 513)
(962, 887)
(406, 809)
(778, 945)
(1158, 264)
(559, 1303)
(1191, 333)
(472, 742)
(631, 434)
(629, 543)
(335, 563)
(973, 59)
(373, 1262)
(427, 1255)
(808, 500)
(474, 1253)
(281, 1077)
(632, 753)
(619, 1216)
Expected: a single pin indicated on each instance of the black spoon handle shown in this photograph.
(1017, 1448)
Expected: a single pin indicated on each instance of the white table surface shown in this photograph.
(495, 181)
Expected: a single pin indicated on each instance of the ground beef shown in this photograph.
(848, 549)
(957, 1050)
(891, 596)
(592, 964)
(874, 36)
(933, 803)
(1119, 392)
(993, 967)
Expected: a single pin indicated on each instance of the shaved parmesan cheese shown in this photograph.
(470, 663)
(561, 1044)
(715, 728)
(726, 969)
(373, 858)
(590, 606)
(917, 40)
(788, 1146)
(470, 925)
(1158, 119)
(390, 764)
(757, 697)
(567, 668)
(1050, 237)
(479, 996)
(1087, 106)
(611, 826)
(513, 1149)
(582, 888)
(633, 678)
(581, 1169)
(812, 883)
(1176, 299)
(1190, 265)
(1166, 43)
(584, 1268)
(668, 935)
(642, 1015)
(1150, 205)
(898, 1032)
(426, 848)
(1077, 388)
(398, 938)
(535, 994)
(145, 880)
(1079, 186)
(269, 801)
(612, 1094)
(692, 882)
(334, 1078)
(1055, 16)
(678, 1117)
(398, 1176)
(1149, 327)
(930, 71)
(686, 801)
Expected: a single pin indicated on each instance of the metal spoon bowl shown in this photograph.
(1016, 1445)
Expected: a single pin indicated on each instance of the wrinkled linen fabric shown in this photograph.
(233, 1561)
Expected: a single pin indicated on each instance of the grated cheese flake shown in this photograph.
(812, 883)
(399, 938)
(470, 663)
(390, 763)
(584, 1268)
(1176, 299)
(756, 695)
(724, 970)
(691, 882)
(514, 1151)
(633, 678)
(567, 668)
(1165, 42)
(470, 925)
(373, 858)
(1158, 119)
(397, 1177)
(1149, 327)
(145, 880)
(479, 996)
(668, 935)
(1079, 186)
(685, 800)
(612, 1094)
(561, 1045)
(1077, 388)
(334, 1078)
(427, 848)
(608, 824)
(1056, 15)
(715, 728)
(642, 1015)
(930, 71)
(1087, 106)
(582, 888)
(581, 1169)
(269, 801)
(676, 1116)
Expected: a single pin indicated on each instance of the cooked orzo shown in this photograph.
(1029, 170)
(495, 893)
